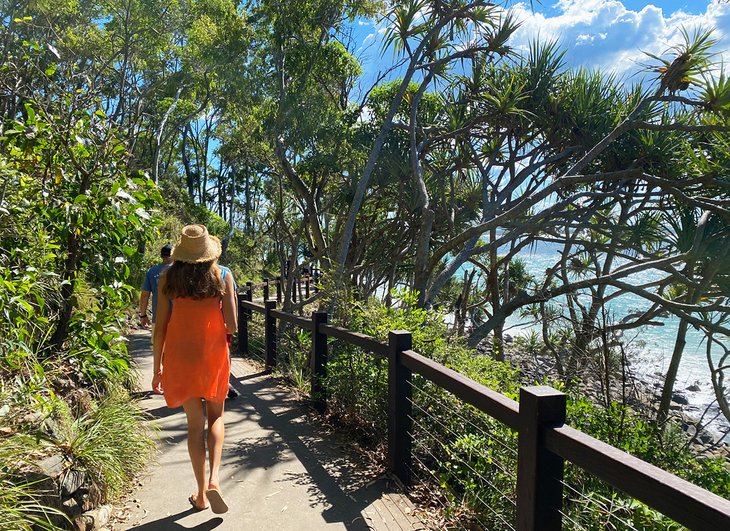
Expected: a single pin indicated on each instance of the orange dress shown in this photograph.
(195, 362)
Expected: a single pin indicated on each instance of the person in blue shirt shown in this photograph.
(151, 280)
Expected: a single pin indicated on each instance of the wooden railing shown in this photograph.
(544, 442)
(305, 283)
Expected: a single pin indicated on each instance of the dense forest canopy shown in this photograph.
(420, 197)
(465, 152)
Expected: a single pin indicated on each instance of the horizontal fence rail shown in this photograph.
(249, 305)
(365, 342)
(544, 442)
(677, 498)
(296, 320)
(490, 402)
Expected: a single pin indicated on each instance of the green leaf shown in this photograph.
(31, 112)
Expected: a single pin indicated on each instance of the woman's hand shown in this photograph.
(157, 382)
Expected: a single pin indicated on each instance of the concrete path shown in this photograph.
(281, 469)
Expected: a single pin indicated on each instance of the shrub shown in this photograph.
(471, 456)
(21, 508)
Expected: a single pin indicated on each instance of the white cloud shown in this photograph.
(605, 34)
(367, 40)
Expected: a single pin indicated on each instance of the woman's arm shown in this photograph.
(230, 309)
(158, 341)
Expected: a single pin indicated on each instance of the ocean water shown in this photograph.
(651, 346)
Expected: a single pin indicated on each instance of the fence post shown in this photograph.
(399, 407)
(278, 289)
(266, 289)
(270, 335)
(306, 286)
(319, 362)
(539, 471)
(243, 316)
(294, 289)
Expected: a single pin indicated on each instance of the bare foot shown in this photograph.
(193, 499)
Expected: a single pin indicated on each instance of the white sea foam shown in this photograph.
(652, 345)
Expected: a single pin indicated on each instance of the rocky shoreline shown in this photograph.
(642, 392)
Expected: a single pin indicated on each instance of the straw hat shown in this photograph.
(196, 245)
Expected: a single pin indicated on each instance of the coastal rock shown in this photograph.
(96, 519)
(679, 399)
(705, 437)
(84, 522)
(53, 466)
(72, 508)
(484, 347)
(73, 481)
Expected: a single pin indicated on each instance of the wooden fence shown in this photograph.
(544, 442)
(302, 285)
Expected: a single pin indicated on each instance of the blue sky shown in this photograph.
(606, 34)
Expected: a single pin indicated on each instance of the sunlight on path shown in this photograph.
(279, 471)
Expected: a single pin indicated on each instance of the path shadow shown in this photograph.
(342, 498)
(337, 487)
(169, 523)
(163, 412)
(248, 377)
(139, 344)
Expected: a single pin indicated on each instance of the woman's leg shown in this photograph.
(196, 445)
(216, 432)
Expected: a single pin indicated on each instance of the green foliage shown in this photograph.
(109, 442)
(593, 504)
(248, 116)
(472, 456)
(72, 216)
(293, 355)
(21, 506)
(107, 439)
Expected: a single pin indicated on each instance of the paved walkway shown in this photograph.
(281, 470)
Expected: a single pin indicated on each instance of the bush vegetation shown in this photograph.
(465, 461)
(256, 120)
(72, 216)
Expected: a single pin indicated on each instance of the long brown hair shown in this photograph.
(196, 281)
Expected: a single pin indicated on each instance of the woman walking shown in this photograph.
(196, 314)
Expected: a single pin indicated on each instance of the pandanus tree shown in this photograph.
(705, 239)
(611, 166)
(431, 38)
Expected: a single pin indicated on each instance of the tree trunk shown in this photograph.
(693, 296)
(60, 334)
(362, 184)
(671, 376)
(158, 136)
(189, 172)
(497, 341)
(247, 201)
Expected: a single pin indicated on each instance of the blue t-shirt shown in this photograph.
(151, 281)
